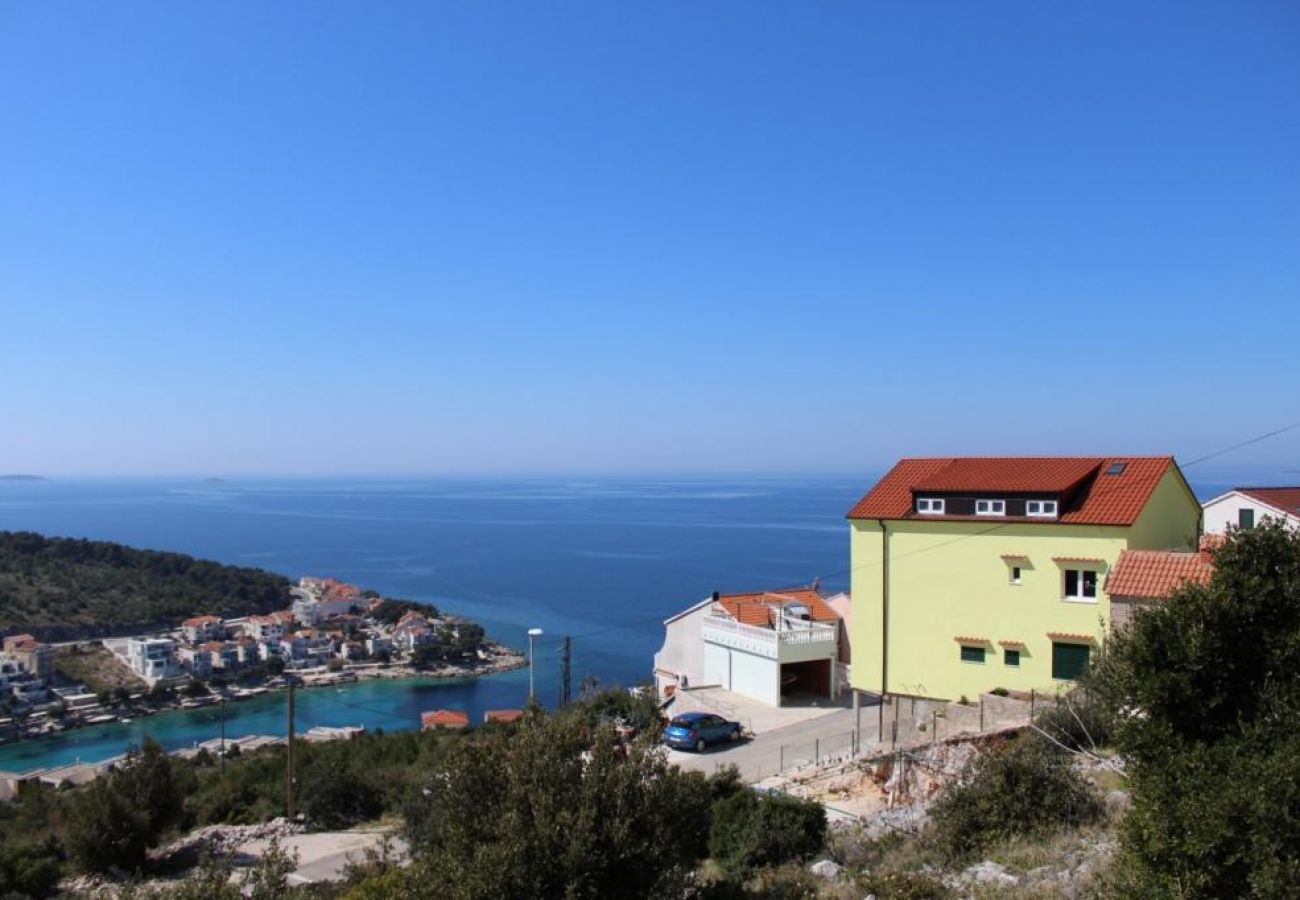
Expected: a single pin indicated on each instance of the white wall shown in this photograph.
(683, 650)
(1223, 511)
(745, 673)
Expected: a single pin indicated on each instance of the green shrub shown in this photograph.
(1019, 787)
(750, 831)
(904, 886)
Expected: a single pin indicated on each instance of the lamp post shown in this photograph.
(532, 634)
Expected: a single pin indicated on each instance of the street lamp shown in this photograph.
(532, 633)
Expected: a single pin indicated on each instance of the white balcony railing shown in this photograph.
(724, 629)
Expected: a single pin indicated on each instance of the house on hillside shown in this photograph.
(766, 645)
(201, 629)
(34, 656)
(1246, 507)
(1142, 578)
(971, 573)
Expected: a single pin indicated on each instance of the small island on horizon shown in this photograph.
(18, 476)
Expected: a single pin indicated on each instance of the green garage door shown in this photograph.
(1069, 660)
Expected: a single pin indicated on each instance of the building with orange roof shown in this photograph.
(1246, 507)
(970, 573)
(1142, 578)
(767, 645)
(198, 629)
(503, 715)
(444, 718)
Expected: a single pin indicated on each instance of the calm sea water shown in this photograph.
(602, 560)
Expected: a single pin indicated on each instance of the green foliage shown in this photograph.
(1207, 696)
(542, 811)
(751, 831)
(1019, 787)
(124, 813)
(28, 868)
(389, 611)
(63, 587)
(904, 886)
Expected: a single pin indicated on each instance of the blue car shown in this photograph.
(696, 730)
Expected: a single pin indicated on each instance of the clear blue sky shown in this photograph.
(324, 237)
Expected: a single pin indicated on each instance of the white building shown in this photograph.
(765, 645)
(202, 628)
(151, 658)
(1246, 507)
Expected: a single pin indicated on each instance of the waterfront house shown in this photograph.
(195, 661)
(972, 573)
(444, 718)
(34, 656)
(1142, 578)
(264, 628)
(151, 658)
(503, 716)
(1246, 507)
(766, 645)
(200, 629)
(223, 654)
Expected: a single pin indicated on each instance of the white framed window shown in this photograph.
(1081, 584)
(990, 507)
(1044, 508)
(928, 506)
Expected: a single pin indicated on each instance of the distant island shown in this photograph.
(21, 477)
(214, 480)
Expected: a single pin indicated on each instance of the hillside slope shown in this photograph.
(63, 588)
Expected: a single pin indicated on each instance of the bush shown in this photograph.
(1023, 786)
(27, 869)
(1079, 720)
(750, 831)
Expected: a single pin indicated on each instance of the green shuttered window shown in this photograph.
(1069, 660)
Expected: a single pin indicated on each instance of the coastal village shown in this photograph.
(980, 590)
(333, 632)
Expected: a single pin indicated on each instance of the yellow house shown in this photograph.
(972, 573)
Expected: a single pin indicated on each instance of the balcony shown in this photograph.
(795, 639)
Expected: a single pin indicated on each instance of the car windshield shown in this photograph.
(681, 723)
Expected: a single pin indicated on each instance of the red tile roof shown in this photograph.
(759, 608)
(503, 715)
(444, 718)
(1155, 574)
(196, 621)
(1101, 500)
(1067, 636)
(1286, 499)
(966, 639)
(1011, 643)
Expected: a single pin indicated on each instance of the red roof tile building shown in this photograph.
(1143, 577)
(1014, 550)
(766, 645)
(444, 718)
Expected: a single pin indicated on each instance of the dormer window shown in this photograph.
(1043, 508)
(990, 507)
(928, 506)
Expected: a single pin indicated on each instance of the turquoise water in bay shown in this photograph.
(602, 560)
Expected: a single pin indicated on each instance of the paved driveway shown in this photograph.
(768, 752)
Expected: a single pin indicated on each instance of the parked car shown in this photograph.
(696, 730)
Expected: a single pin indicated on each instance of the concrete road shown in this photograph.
(767, 753)
(324, 855)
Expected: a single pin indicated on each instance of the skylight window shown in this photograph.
(1041, 508)
(990, 507)
(1116, 468)
(929, 506)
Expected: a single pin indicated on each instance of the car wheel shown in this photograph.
(700, 745)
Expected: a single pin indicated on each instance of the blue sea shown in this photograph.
(601, 560)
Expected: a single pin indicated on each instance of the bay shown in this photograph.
(603, 560)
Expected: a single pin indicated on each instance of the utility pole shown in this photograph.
(566, 676)
(223, 735)
(288, 780)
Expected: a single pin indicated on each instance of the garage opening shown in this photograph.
(808, 680)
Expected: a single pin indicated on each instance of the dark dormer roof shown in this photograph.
(1097, 498)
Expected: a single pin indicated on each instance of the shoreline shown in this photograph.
(501, 659)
